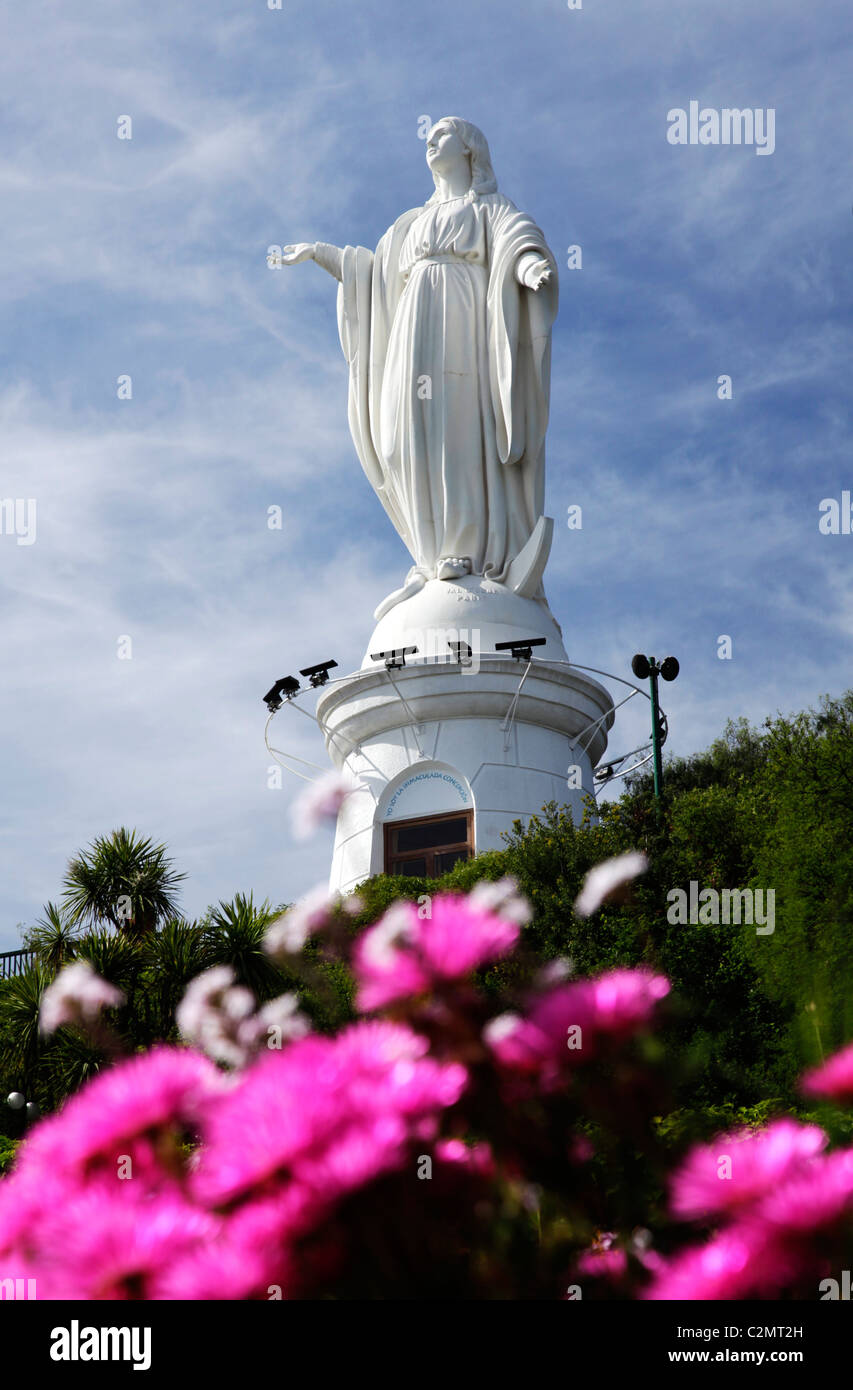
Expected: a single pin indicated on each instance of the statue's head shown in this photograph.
(451, 140)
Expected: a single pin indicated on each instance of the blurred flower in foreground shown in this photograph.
(310, 914)
(77, 995)
(735, 1169)
(609, 880)
(219, 1017)
(405, 953)
(833, 1080)
(610, 1007)
(321, 800)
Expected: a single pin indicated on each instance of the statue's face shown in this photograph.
(444, 151)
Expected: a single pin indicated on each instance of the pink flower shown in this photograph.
(321, 801)
(818, 1193)
(28, 1197)
(476, 1159)
(164, 1089)
(609, 880)
(325, 1116)
(834, 1079)
(738, 1263)
(406, 952)
(113, 1240)
(77, 995)
(571, 1022)
(756, 1162)
(609, 1264)
(229, 1267)
(289, 932)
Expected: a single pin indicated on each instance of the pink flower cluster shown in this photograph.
(573, 1023)
(779, 1199)
(413, 948)
(167, 1177)
(103, 1205)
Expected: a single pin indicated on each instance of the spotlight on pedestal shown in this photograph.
(521, 648)
(393, 659)
(286, 687)
(461, 652)
(318, 675)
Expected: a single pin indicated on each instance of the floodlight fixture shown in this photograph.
(395, 658)
(669, 668)
(461, 652)
(640, 667)
(318, 675)
(286, 687)
(521, 647)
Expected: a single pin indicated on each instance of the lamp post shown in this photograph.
(644, 666)
(16, 1101)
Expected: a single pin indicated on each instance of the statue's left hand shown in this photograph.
(534, 271)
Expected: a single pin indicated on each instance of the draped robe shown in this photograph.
(449, 378)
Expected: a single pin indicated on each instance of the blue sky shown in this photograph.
(147, 256)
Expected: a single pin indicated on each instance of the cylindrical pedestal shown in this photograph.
(438, 738)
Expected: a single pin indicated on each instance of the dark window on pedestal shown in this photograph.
(429, 846)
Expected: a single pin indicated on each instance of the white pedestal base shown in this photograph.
(435, 737)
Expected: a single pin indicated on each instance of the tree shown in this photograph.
(53, 939)
(234, 934)
(122, 879)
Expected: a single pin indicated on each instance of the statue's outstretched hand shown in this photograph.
(300, 251)
(535, 272)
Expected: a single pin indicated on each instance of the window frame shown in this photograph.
(392, 860)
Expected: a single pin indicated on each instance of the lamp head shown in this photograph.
(640, 667)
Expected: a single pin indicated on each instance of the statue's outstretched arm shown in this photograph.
(329, 257)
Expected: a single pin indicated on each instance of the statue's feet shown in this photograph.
(453, 567)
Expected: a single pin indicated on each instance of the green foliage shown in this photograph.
(53, 937)
(8, 1150)
(233, 934)
(116, 867)
(803, 800)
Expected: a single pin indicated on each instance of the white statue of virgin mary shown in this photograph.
(446, 328)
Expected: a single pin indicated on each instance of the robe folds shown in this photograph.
(449, 378)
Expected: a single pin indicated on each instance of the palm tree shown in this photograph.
(53, 939)
(20, 1005)
(234, 933)
(116, 958)
(122, 879)
(174, 955)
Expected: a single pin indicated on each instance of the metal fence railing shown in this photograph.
(15, 963)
